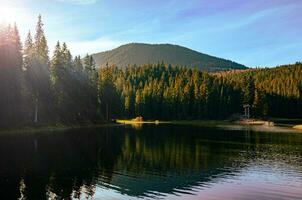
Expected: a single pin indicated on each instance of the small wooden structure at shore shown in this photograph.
(246, 110)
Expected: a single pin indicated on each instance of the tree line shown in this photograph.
(165, 92)
(36, 89)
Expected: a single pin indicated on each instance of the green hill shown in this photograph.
(137, 53)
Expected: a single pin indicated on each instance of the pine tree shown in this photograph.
(138, 103)
(67, 57)
(57, 70)
(10, 76)
(28, 51)
(66, 84)
(17, 47)
(110, 101)
(38, 76)
(41, 48)
(78, 65)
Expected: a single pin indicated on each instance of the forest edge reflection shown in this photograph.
(134, 162)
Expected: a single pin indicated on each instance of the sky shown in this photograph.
(256, 33)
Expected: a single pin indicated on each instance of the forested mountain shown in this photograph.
(138, 53)
(38, 90)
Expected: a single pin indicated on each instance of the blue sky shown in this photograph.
(254, 33)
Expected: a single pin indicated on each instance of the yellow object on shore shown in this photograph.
(298, 127)
(138, 122)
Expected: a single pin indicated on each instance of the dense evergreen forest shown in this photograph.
(166, 92)
(36, 89)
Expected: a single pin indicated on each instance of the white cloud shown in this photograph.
(92, 46)
(79, 2)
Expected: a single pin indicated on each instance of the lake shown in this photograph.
(151, 162)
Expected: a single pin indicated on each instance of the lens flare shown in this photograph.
(8, 15)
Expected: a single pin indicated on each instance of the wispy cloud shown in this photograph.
(240, 30)
(79, 2)
(93, 46)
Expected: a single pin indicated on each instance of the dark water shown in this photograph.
(152, 162)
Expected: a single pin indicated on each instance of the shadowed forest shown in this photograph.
(38, 89)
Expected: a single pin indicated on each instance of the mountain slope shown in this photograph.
(138, 53)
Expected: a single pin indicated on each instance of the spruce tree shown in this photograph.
(10, 76)
(67, 57)
(41, 48)
(38, 76)
(28, 51)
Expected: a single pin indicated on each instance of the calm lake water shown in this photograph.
(151, 162)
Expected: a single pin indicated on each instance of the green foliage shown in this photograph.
(165, 92)
(11, 101)
(75, 89)
(272, 91)
(37, 76)
(41, 48)
(71, 90)
(110, 100)
(39, 91)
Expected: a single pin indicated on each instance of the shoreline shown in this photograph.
(259, 125)
(122, 121)
(251, 124)
(53, 128)
(254, 125)
(298, 127)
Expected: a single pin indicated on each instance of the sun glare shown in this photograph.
(8, 15)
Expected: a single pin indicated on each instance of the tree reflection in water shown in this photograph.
(141, 162)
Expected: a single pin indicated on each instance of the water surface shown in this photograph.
(151, 162)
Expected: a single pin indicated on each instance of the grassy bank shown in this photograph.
(299, 127)
(204, 123)
(253, 124)
(178, 122)
(246, 125)
(52, 128)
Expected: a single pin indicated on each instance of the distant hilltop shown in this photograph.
(138, 53)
